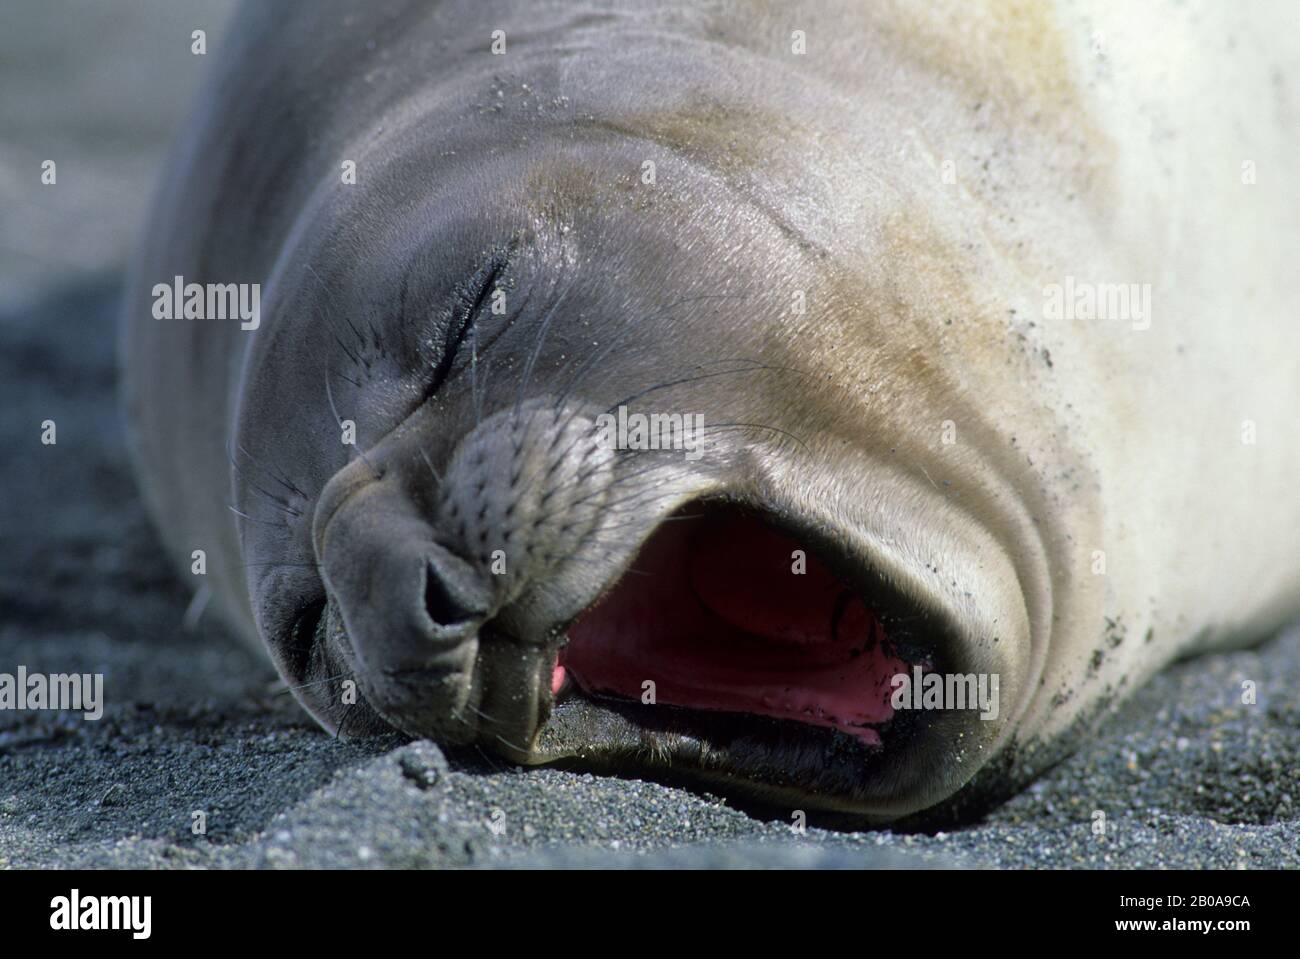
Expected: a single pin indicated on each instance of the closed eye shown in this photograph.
(470, 299)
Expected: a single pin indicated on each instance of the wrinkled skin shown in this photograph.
(840, 264)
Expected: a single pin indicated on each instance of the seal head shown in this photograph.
(494, 563)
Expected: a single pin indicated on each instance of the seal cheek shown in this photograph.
(445, 598)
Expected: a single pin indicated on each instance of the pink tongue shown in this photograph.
(724, 622)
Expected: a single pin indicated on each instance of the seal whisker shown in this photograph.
(619, 481)
(253, 519)
(475, 400)
(759, 426)
(642, 393)
(494, 721)
(482, 714)
(494, 763)
(329, 393)
(275, 475)
(478, 387)
(753, 368)
(608, 505)
(478, 402)
(678, 382)
(617, 338)
(314, 682)
(329, 305)
(356, 360)
(281, 504)
(543, 329)
(429, 463)
(343, 722)
(758, 365)
(569, 504)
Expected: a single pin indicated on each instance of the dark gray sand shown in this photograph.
(1186, 775)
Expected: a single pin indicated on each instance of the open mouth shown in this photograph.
(742, 650)
(723, 613)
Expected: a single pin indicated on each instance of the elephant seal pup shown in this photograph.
(839, 406)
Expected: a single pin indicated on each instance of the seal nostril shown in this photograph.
(442, 607)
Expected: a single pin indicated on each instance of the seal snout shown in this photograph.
(450, 601)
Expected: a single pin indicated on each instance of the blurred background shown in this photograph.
(99, 88)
